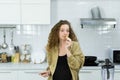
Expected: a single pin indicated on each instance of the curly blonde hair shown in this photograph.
(53, 39)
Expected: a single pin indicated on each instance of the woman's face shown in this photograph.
(64, 32)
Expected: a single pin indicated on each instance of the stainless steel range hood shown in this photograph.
(96, 20)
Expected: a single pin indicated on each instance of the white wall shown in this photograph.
(92, 42)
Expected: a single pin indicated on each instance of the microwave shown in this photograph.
(115, 56)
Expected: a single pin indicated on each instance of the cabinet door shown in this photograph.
(36, 14)
(30, 75)
(90, 75)
(117, 75)
(35, 11)
(8, 75)
(9, 12)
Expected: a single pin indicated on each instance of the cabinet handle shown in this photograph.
(85, 72)
(31, 72)
(5, 72)
(117, 71)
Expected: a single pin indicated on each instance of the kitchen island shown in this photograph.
(30, 71)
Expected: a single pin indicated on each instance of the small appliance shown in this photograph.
(115, 56)
(107, 70)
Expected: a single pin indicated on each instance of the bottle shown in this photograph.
(16, 55)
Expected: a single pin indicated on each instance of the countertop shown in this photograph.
(19, 66)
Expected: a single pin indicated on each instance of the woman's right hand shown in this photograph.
(45, 73)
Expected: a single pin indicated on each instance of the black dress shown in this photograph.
(62, 71)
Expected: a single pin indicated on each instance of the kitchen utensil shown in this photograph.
(11, 46)
(4, 45)
(107, 70)
(0, 46)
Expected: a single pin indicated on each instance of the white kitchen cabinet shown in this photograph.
(90, 75)
(24, 11)
(35, 11)
(21, 75)
(117, 75)
(30, 75)
(35, 14)
(9, 12)
(8, 75)
(9, 71)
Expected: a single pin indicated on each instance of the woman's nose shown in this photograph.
(65, 32)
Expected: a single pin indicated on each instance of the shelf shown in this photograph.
(7, 26)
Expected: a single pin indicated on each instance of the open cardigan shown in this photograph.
(75, 61)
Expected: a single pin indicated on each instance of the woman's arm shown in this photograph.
(76, 59)
(47, 72)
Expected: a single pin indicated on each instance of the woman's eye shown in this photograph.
(67, 30)
(62, 30)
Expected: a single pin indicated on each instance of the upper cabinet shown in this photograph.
(9, 12)
(35, 11)
(24, 11)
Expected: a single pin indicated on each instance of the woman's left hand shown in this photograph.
(45, 73)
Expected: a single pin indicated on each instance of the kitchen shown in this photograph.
(93, 42)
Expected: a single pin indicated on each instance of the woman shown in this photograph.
(64, 55)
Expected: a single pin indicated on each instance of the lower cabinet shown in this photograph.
(33, 74)
(30, 75)
(8, 75)
(117, 75)
(95, 75)
(21, 75)
(90, 75)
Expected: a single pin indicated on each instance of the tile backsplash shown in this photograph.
(34, 35)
